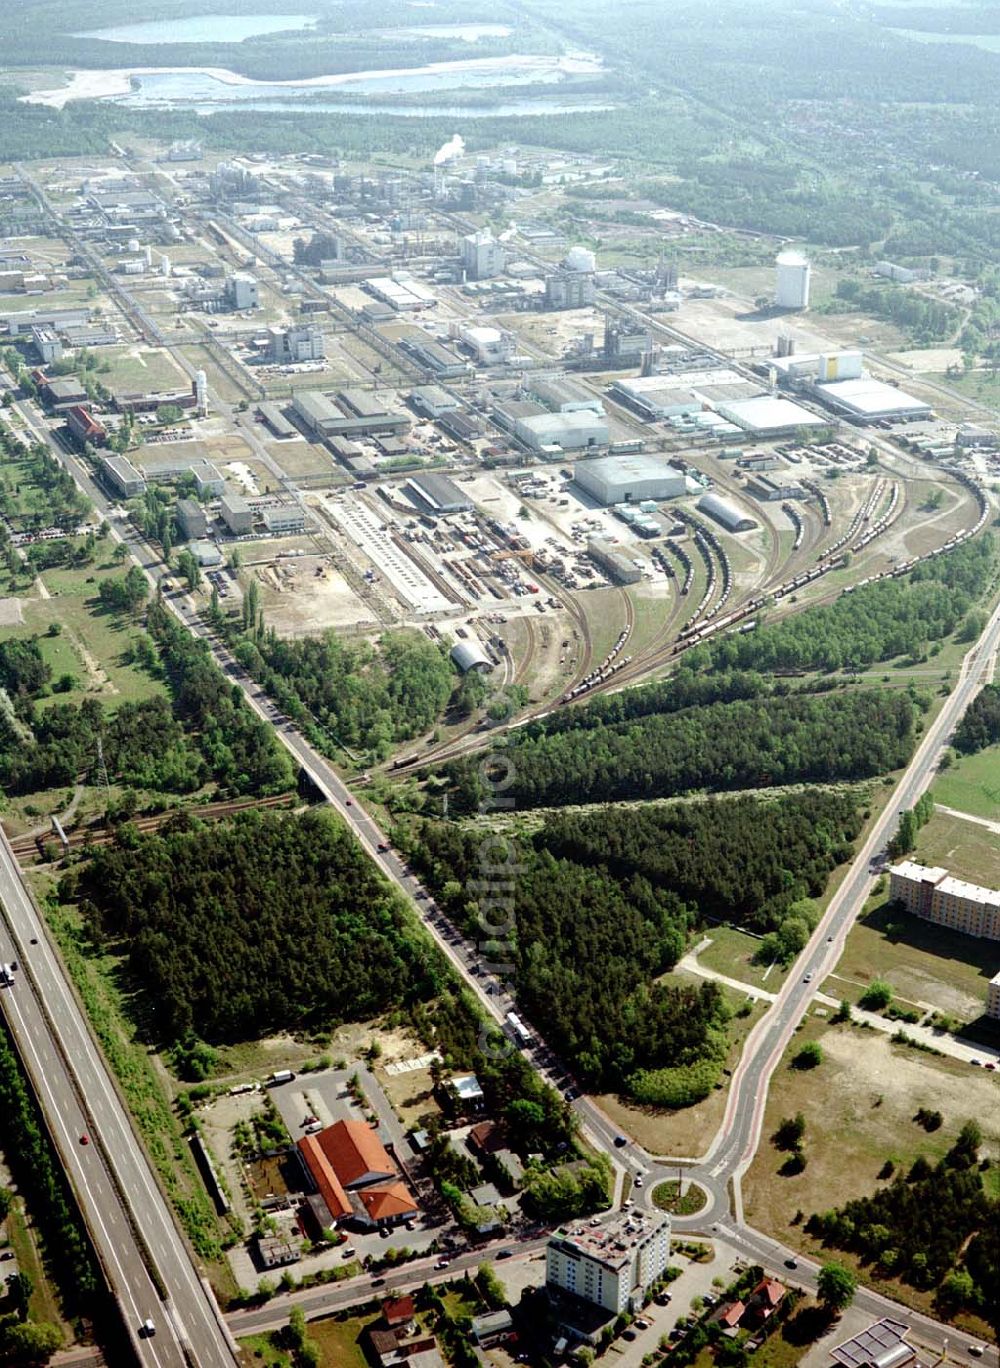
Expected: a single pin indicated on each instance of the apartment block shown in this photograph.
(993, 997)
(610, 1265)
(932, 893)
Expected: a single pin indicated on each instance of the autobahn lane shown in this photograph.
(29, 1013)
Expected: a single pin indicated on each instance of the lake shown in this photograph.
(208, 88)
(202, 28)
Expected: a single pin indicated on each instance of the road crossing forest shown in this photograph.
(604, 903)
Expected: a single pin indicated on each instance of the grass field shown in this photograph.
(340, 1341)
(965, 849)
(859, 1106)
(972, 784)
(732, 953)
(925, 964)
(93, 645)
(43, 1304)
(135, 368)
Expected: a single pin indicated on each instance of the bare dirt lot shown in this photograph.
(859, 1107)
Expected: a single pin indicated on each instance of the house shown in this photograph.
(467, 1091)
(729, 1317)
(414, 1347)
(492, 1328)
(763, 1301)
(399, 1311)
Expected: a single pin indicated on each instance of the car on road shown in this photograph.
(383, 847)
(989, 1065)
(638, 1181)
(505, 1253)
(84, 1139)
(808, 978)
(349, 802)
(976, 1350)
(147, 1329)
(378, 1282)
(442, 1263)
(791, 1263)
(621, 1140)
(976, 1062)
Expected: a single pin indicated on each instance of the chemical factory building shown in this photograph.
(867, 400)
(629, 479)
(764, 416)
(725, 513)
(438, 494)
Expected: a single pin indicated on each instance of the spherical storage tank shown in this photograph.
(580, 259)
(792, 287)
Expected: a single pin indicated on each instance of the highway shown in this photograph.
(130, 1221)
(110, 1174)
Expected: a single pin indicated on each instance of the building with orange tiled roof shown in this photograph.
(356, 1176)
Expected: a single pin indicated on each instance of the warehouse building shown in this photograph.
(432, 401)
(469, 655)
(870, 401)
(767, 417)
(277, 422)
(629, 479)
(437, 494)
(237, 514)
(563, 394)
(725, 513)
(192, 519)
(573, 431)
(434, 357)
(769, 490)
(355, 413)
(121, 475)
(283, 519)
(615, 565)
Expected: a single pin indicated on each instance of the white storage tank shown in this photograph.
(792, 288)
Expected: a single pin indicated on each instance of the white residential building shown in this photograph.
(613, 1264)
(937, 897)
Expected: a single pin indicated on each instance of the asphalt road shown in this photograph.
(78, 1097)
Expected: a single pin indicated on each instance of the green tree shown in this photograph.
(809, 1056)
(836, 1286)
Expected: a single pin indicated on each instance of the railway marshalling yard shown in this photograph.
(510, 562)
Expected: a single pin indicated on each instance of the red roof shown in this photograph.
(355, 1151)
(770, 1290)
(399, 1311)
(732, 1314)
(382, 1203)
(324, 1175)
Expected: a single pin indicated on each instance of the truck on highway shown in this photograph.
(6, 975)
